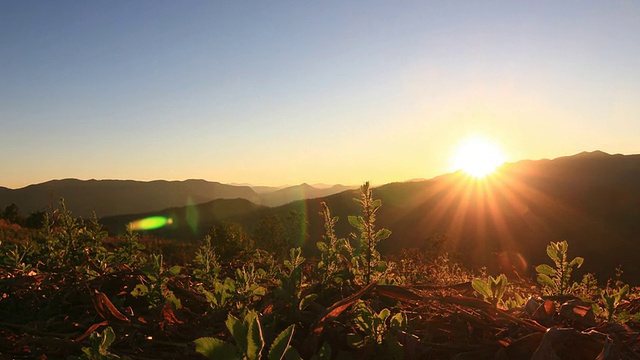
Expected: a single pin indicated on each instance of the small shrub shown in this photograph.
(557, 281)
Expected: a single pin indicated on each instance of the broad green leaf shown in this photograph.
(552, 252)
(255, 342)
(238, 331)
(382, 234)
(230, 284)
(501, 286)
(216, 349)
(544, 279)
(577, 261)
(322, 246)
(622, 293)
(140, 290)
(306, 301)
(481, 287)
(563, 246)
(376, 204)
(108, 336)
(175, 270)
(281, 344)
(397, 322)
(546, 269)
(356, 221)
(381, 266)
(494, 285)
(384, 314)
(259, 291)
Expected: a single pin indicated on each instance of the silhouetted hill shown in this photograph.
(116, 197)
(112, 197)
(191, 222)
(299, 192)
(592, 200)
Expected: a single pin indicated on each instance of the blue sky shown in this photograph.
(284, 92)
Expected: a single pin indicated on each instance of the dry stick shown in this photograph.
(479, 304)
(34, 331)
(311, 342)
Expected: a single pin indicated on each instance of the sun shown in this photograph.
(478, 157)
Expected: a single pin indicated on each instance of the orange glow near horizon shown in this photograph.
(489, 216)
(478, 157)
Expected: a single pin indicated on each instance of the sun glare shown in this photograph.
(478, 157)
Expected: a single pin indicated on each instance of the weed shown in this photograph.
(99, 344)
(491, 290)
(557, 281)
(206, 262)
(334, 252)
(376, 331)
(367, 259)
(155, 289)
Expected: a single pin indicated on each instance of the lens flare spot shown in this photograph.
(192, 215)
(150, 223)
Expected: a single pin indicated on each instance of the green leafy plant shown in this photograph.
(588, 288)
(206, 262)
(248, 285)
(99, 344)
(291, 279)
(130, 249)
(333, 266)
(17, 255)
(491, 290)
(517, 301)
(156, 289)
(249, 341)
(376, 331)
(557, 281)
(367, 259)
(223, 292)
(612, 298)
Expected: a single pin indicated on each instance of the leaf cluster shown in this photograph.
(557, 280)
(249, 341)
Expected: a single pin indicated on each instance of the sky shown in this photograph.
(286, 92)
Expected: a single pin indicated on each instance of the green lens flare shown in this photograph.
(150, 223)
(192, 215)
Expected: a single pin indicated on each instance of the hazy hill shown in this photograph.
(116, 197)
(299, 192)
(112, 197)
(192, 222)
(591, 200)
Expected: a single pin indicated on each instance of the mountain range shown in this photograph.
(505, 220)
(116, 197)
(592, 200)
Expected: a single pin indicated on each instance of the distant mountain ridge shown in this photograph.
(118, 197)
(591, 199)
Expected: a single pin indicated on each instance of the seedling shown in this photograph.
(491, 290)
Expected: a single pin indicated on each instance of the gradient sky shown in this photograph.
(285, 92)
